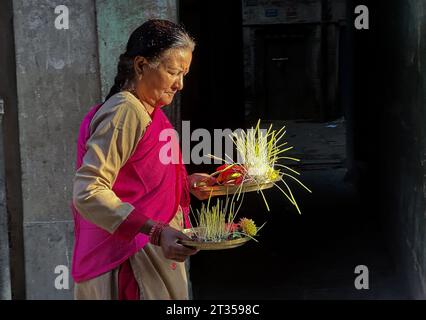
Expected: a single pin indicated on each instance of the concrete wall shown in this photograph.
(403, 99)
(389, 115)
(57, 80)
(5, 285)
(59, 75)
(115, 22)
(7, 101)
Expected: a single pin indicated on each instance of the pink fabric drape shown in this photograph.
(128, 288)
(153, 188)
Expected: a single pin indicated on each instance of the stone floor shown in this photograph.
(317, 144)
(308, 256)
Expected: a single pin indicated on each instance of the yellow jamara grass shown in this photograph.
(260, 152)
(214, 222)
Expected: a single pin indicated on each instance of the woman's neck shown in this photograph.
(147, 106)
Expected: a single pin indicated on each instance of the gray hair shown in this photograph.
(149, 40)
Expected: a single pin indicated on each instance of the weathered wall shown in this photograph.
(11, 160)
(8, 98)
(5, 285)
(57, 81)
(389, 124)
(60, 74)
(403, 98)
(115, 22)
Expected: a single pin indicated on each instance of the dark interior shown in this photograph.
(325, 87)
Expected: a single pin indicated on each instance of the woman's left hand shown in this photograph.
(172, 249)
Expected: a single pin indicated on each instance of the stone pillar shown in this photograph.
(57, 81)
(5, 288)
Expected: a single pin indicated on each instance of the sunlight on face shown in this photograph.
(160, 84)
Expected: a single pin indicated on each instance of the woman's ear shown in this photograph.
(139, 65)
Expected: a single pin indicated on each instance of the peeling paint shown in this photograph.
(58, 64)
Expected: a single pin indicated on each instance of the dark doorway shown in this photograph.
(286, 75)
(276, 72)
(214, 98)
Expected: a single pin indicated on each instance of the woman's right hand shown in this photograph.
(200, 180)
(171, 248)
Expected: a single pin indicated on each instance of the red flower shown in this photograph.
(231, 174)
(232, 226)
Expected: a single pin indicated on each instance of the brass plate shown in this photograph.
(203, 193)
(229, 244)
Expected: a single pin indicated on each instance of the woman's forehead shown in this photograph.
(177, 57)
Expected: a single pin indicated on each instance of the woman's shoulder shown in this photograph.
(124, 101)
(120, 109)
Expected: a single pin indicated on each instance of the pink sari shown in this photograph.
(155, 190)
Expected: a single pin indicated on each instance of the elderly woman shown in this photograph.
(129, 206)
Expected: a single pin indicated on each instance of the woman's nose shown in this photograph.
(178, 84)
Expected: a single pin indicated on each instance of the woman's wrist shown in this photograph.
(146, 228)
(153, 230)
(155, 233)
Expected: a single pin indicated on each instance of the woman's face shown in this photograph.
(157, 86)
